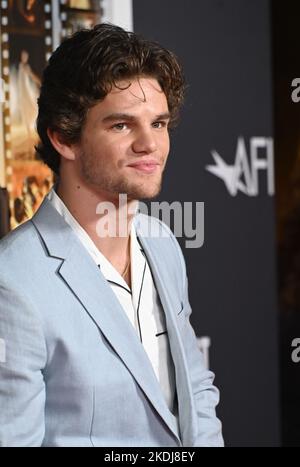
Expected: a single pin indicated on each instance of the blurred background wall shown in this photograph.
(286, 78)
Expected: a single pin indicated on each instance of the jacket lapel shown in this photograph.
(159, 262)
(88, 284)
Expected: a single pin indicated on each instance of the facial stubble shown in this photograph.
(95, 173)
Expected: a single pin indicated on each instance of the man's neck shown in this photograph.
(103, 217)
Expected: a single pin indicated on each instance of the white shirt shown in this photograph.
(141, 304)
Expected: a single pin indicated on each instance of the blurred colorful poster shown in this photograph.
(26, 32)
(31, 181)
(27, 60)
(79, 14)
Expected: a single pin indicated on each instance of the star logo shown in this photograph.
(242, 176)
(230, 174)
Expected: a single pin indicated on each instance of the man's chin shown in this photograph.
(143, 194)
(137, 192)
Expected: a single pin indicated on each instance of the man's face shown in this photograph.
(125, 141)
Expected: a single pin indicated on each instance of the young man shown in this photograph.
(97, 347)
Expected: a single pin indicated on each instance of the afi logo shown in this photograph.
(243, 175)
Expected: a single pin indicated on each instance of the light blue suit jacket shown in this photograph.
(75, 372)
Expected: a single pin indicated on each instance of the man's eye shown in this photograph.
(120, 126)
(159, 124)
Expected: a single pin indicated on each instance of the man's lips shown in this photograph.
(145, 166)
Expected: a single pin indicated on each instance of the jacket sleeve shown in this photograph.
(22, 357)
(206, 395)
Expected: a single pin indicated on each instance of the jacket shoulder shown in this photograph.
(18, 245)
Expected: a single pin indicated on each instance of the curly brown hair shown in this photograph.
(83, 70)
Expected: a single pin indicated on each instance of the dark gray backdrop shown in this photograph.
(225, 48)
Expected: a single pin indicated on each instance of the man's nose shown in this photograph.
(144, 142)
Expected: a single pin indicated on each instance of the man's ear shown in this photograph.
(65, 150)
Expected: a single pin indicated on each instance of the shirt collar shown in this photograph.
(107, 269)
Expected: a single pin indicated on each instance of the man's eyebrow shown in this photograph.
(164, 116)
(128, 117)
